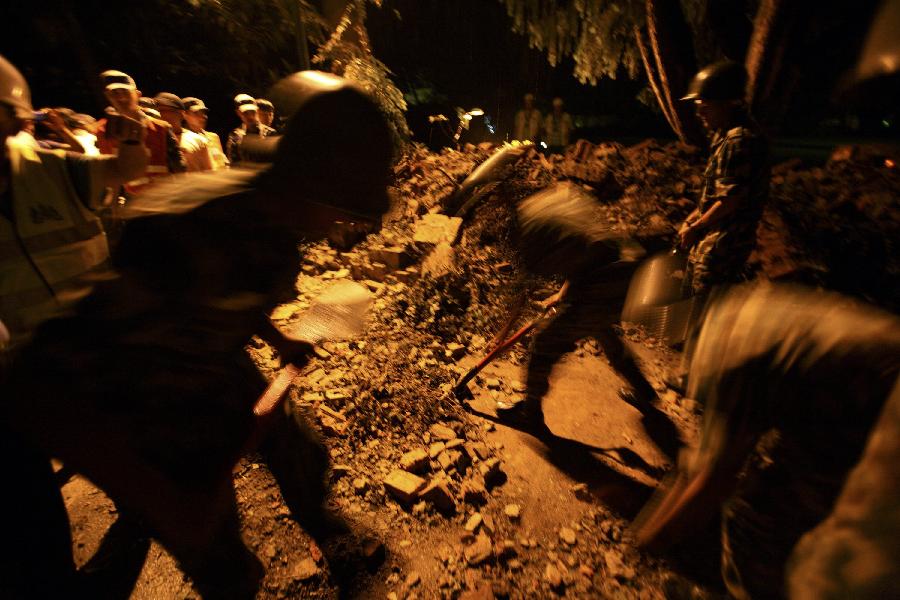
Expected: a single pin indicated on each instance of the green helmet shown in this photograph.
(725, 80)
(14, 90)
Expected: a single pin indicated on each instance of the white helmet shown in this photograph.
(14, 90)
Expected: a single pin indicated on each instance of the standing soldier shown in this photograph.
(528, 121)
(721, 232)
(246, 108)
(266, 113)
(196, 115)
(557, 127)
(194, 147)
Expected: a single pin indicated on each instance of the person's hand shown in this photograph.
(688, 235)
(125, 129)
(295, 351)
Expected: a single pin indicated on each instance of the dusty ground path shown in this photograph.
(565, 535)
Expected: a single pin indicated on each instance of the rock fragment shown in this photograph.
(403, 485)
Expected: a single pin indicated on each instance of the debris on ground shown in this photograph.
(415, 469)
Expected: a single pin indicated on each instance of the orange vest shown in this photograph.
(157, 139)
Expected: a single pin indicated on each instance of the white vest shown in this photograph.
(62, 237)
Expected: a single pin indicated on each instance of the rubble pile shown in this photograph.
(406, 458)
(649, 188)
(837, 225)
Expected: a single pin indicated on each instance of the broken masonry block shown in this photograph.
(403, 485)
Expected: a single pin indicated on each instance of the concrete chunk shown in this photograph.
(437, 492)
(432, 229)
(403, 485)
(414, 461)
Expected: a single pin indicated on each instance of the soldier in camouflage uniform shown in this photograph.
(792, 381)
(721, 232)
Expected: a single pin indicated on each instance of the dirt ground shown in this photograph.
(601, 471)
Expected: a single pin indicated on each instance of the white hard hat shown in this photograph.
(14, 90)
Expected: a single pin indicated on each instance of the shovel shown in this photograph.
(337, 314)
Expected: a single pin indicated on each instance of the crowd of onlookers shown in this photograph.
(177, 136)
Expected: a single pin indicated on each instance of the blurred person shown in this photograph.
(560, 236)
(266, 113)
(47, 202)
(528, 121)
(148, 385)
(721, 232)
(194, 147)
(165, 154)
(83, 127)
(557, 128)
(196, 116)
(146, 102)
(246, 109)
(52, 131)
(855, 551)
(792, 380)
(50, 245)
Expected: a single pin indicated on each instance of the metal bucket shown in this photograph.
(655, 298)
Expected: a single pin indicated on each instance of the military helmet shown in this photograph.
(724, 80)
(14, 90)
(336, 144)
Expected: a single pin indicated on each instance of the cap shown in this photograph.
(146, 102)
(265, 105)
(245, 102)
(168, 100)
(117, 80)
(151, 112)
(194, 104)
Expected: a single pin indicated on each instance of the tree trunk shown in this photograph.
(772, 32)
(650, 70)
(670, 40)
(299, 34)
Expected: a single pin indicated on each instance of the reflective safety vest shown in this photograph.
(156, 142)
(53, 242)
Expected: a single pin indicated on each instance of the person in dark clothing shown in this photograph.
(561, 237)
(147, 389)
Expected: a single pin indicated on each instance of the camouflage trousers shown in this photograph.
(719, 257)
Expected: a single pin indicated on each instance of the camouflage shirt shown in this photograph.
(805, 374)
(737, 172)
